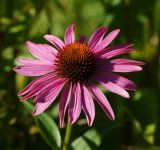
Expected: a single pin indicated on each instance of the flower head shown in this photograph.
(76, 68)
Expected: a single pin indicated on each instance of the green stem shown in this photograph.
(67, 137)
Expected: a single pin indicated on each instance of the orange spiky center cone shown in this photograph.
(76, 62)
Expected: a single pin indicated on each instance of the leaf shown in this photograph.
(39, 25)
(48, 128)
(92, 138)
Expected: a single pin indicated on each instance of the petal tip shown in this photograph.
(72, 121)
(28, 43)
(34, 113)
(112, 117)
(138, 68)
(22, 99)
(90, 124)
(104, 27)
(73, 25)
(60, 122)
(15, 69)
(117, 31)
(20, 94)
(46, 36)
(143, 63)
(127, 95)
(61, 125)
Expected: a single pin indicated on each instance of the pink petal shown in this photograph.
(75, 104)
(41, 51)
(55, 41)
(113, 53)
(106, 41)
(39, 88)
(27, 62)
(116, 79)
(102, 100)
(41, 107)
(49, 92)
(114, 88)
(65, 98)
(97, 36)
(69, 37)
(88, 105)
(34, 70)
(123, 61)
(115, 47)
(36, 83)
(121, 68)
(82, 39)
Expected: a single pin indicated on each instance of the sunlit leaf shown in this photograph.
(93, 137)
(48, 128)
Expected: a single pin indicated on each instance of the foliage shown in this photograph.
(138, 123)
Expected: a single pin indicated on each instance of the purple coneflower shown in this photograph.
(76, 68)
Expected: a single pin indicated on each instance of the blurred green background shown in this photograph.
(137, 124)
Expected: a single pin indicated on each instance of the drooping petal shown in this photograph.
(36, 83)
(114, 88)
(65, 98)
(106, 41)
(69, 37)
(122, 61)
(55, 41)
(49, 92)
(34, 70)
(116, 79)
(88, 105)
(41, 51)
(102, 101)
(41, 107)
(75, 104)
(44, 85)
(97, 36)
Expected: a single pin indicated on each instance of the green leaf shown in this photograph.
(39, 24)
(92, 138)
(28, 106)
(48, 128)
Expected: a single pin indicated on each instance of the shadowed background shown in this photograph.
(137, 124)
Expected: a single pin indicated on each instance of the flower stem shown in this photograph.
(67, 137)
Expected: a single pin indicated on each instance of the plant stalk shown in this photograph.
(67, 137)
